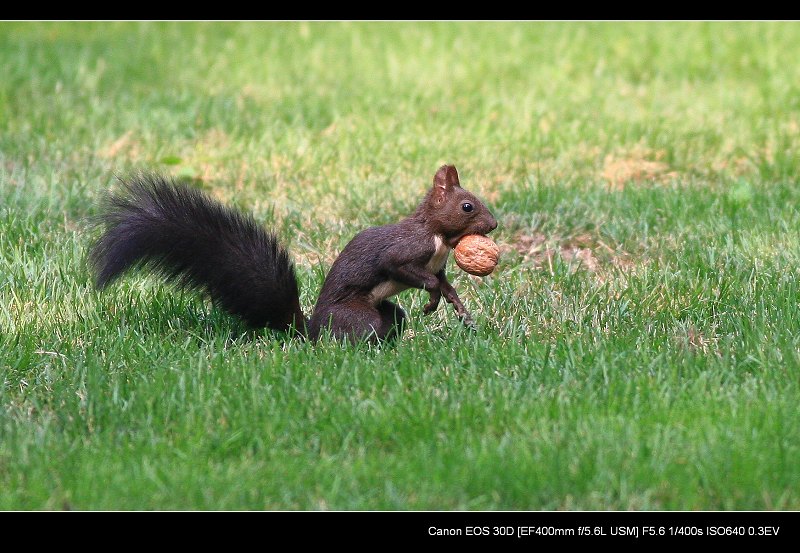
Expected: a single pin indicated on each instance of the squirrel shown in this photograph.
(189, 238)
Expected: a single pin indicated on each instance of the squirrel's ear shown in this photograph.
(445, 179)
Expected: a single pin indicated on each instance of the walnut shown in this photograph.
(477, 254)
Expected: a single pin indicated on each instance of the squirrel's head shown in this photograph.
(452, 211)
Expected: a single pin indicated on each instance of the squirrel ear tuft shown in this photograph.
(445, 179)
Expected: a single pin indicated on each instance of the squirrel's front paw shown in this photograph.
(467, 320)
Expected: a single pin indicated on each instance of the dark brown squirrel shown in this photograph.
(189, 238)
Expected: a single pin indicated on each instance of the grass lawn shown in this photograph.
(637, 348)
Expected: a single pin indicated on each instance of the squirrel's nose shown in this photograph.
(493, 224)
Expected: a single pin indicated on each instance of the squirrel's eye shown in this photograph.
(467, 207)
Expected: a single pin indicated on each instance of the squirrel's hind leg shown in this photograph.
(393, 319)
(360, 320)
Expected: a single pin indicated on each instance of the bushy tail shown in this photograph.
(195, 241)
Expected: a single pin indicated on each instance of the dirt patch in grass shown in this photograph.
(637, 165)
(582, 251)
(583, 257)
(735, 166)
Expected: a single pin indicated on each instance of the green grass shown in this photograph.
(638, 347)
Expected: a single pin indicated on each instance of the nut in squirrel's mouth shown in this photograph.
(453, 242)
